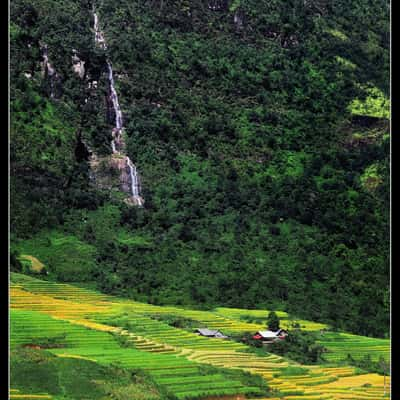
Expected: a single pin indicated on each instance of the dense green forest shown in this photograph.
(260, 132)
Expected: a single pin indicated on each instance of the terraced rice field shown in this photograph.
(75, 322)
(16, 394)
(340, 345)
(65, 339)
(163, 334)
(286, 320)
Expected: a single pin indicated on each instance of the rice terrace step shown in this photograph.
(85, 324)
(199, 199)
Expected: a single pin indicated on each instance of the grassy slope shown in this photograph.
(38, 371)
(65, 256)
(232, 131)
(180, 362)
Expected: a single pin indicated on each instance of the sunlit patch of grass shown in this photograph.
(348, 64)
(338, 34)
(371, 178)
(35, 264)
(375, 105)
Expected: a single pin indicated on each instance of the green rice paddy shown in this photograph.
(81, 324)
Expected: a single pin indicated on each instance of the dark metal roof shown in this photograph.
(211, 333)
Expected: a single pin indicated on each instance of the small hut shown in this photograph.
(270, 336)
(211, 333)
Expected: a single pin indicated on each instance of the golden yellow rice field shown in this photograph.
(86, 308)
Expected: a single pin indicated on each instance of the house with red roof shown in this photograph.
(270, 336)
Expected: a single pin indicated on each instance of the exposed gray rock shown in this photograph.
(78, 65)
(79, 68)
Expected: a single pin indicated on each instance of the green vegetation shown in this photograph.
(262, 189)
(177, 321)
(37, 371)
(15, 263)
(66, 257)
(371, 178)
(300, 346)
(115, 346)
(376, 105)
(175, 374)
(341, 345)
(382, 366)
(293, 371)
(247, 338)
(161, 332)
(273, 321)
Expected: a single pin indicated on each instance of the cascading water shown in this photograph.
(99, 38)
(48, 69)
(135, 185)
(117, 141)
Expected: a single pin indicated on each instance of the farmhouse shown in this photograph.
(270, 336)
(211, 333)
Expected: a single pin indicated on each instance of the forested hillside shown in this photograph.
(261, 135)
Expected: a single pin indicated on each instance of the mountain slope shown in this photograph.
(262, 189)
(182, 364)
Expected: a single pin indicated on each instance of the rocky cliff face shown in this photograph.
(49, 73)
(118, 165)
(112, 173)
(78, 65)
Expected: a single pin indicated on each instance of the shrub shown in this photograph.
(300, 346)
(273, 321)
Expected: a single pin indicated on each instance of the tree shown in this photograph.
(273, 321)
(300, 346)
(15, 264)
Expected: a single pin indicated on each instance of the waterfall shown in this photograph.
(117, 141)
(114, 98)
(99, 38)
(47, 68)
(135, 185)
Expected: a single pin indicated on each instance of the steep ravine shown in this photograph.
(128, 174)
